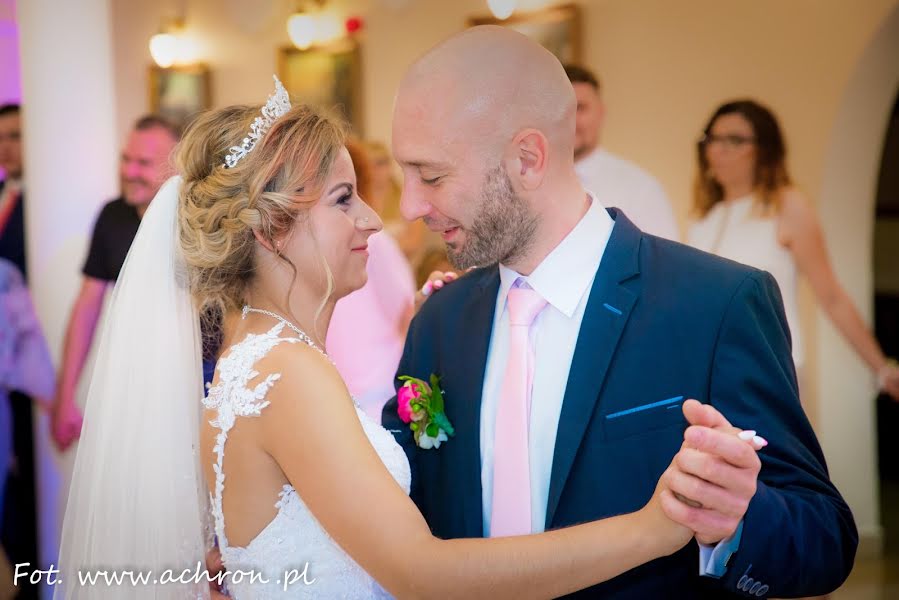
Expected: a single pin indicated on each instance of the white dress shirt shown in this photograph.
(564, 279)
(9, 189)
(621, 184)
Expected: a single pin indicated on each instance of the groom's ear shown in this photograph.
(530, 158)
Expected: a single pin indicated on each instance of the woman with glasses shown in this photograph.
(750, 212)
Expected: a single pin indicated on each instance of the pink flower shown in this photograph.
(404, 398)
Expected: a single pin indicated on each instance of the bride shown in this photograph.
(309, 497)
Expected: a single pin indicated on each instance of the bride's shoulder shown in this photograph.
(269, 353)
(292, 355)
(308, 394)
(303, 374)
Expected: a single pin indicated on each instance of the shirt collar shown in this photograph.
(565, 274)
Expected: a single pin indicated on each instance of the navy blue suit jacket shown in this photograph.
(12, 237)
(663, 320)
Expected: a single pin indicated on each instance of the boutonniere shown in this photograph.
(421, 406)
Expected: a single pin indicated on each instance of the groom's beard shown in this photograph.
(503, 230)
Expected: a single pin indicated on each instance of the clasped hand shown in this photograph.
(711, 480)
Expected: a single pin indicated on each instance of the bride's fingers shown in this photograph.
(437, 280)
(749, 436)
(756, 441)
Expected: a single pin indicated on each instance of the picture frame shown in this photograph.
(179, 93)
(556, 28)
(328, 77)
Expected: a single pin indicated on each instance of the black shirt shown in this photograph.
(113, 233)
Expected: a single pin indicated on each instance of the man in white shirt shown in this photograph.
(615, 181)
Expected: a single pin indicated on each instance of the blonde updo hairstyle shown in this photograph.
(269, 191)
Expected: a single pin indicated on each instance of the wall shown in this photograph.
(10, 82)
(664, 66)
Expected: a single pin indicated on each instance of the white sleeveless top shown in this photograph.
(293, 549)
(733, 230)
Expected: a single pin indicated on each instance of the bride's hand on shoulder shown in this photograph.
(436, 281)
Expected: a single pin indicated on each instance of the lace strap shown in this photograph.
(233, 397)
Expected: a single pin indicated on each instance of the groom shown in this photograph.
(565, 363)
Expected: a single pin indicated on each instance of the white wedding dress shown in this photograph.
(294, 541)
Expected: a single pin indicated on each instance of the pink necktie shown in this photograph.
(511, 513)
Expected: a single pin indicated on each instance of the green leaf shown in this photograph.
(437, 400)
(444, 424)
(433, 430)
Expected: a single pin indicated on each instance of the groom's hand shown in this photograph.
(716, 470)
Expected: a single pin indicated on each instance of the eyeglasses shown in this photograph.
(730, 141)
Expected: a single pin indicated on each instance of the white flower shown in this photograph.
(426, 442)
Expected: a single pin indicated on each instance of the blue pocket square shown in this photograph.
(669, 403)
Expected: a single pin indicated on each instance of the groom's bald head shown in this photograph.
(485, 85)
(483, 128)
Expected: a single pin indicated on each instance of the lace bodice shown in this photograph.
(293, 549)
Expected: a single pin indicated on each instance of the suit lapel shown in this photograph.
(607, 312)
(473, 337)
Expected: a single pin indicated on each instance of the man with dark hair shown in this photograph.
(615, 181)
(12, 215)
(578, 74)
(147, 122)
(143, 168)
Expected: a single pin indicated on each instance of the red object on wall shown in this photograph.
(353, 24)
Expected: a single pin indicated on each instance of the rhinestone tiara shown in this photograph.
(278, 104)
